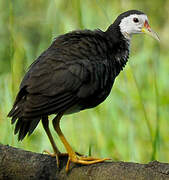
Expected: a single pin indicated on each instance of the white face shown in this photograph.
(132, 24)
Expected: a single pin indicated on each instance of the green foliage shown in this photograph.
(132, 124)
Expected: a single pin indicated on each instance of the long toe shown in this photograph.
(92, 158)
(88, 160)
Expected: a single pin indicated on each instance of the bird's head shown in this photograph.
(134, 22)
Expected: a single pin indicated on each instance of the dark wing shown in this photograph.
(53, 87)
(48, 89)
(59, 79)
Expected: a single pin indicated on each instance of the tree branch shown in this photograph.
(22, 165)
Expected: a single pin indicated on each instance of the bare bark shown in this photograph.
(17, 164)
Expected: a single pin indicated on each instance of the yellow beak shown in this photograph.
(147, 30)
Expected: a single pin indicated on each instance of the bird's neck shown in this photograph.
(118, 47)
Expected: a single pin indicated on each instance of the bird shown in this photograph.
(75, 73)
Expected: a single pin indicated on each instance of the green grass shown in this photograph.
(133, 123)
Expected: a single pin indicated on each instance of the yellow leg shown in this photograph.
(73, 157)
(56, 153)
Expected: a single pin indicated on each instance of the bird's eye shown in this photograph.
(135, 20)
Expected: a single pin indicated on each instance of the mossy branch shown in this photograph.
(23, 165)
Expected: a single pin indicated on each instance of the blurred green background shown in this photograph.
(133, 123)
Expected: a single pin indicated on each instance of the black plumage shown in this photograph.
(78, 69)
(75, 73)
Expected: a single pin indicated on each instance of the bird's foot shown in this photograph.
(57, 155)
(84, 160)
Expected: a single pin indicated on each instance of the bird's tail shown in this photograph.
(23, 125)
